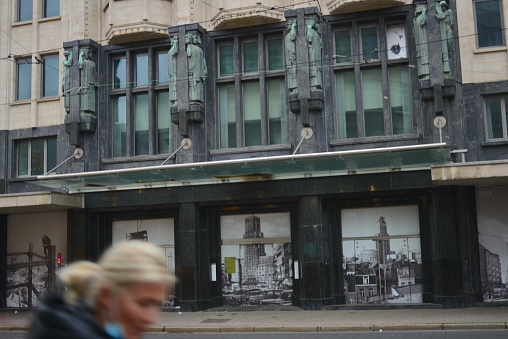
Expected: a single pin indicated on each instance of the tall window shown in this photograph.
(51, 8)
(141, 124)
(368, 106)
(24, 78)
(25, 10)
(50, 76)
(36, 156)
(254, 69)
(495, 117)
(489, 25)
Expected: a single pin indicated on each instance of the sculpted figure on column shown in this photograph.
(290, 42)
(172, 60)
(420, 32)
(66, 79)
(445, 16)
(197, 69)
(315, 45)
(89, 80)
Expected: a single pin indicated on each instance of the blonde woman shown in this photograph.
(116, 298)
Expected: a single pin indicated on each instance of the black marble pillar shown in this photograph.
(3, 260)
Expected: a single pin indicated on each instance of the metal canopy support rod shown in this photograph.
(78, 153)
(185, 144)
(306, 134)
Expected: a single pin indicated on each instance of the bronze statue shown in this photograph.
(290, 42)
(197, 69)
(89, 80)
(315, 45)
(420, 32)
(66, 79)
(172, 66)
(445, 16)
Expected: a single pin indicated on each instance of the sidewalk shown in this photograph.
(296, 320)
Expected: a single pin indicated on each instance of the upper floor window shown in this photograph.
(367, 104)
(489, 25)
(25, 10)
(23, 78)
(495, 117)
(36, 156)
(252, 92)
(140, 104)
(51, 8)
(50, 76)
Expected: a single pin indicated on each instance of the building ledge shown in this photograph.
(39, 202)
(246, 16)
(347, 6)
(471, 173)
(138, 31)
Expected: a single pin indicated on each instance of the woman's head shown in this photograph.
(125, 287)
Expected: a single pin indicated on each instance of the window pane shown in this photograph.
(141, 70)
(24, 80)
(277, 111)
(162, 67)
(50, 154)
(343, 46)
(141, 124)
(250, 57)
(37, 157)
(494, 118)
(373, 102)
(25, 10)
(23, 157)
(51, 8)
(346, 104)
(50, 77)
(252, 113)
(369, 43)
(226, 60)
(400, 98)
(164, 138)
(120, 73)
(275, 61)
(119, 124)
(488, 23)
(227, 116)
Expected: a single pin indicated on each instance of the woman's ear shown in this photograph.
(105, 297)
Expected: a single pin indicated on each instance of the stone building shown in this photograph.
(173, 117)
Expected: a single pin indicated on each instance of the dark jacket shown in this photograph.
(55, 319)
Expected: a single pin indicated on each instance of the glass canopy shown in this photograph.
(377, 160)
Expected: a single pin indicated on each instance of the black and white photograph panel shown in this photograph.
(256, 259)
(382, 260)
(493, 241)
(36, 250)
(160, 232)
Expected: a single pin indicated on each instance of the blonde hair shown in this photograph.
(119, 267)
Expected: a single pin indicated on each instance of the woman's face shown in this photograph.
(138, 307)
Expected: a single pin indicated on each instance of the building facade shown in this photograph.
(306, 153)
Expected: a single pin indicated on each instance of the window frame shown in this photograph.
(18, 10)
(477, 34)
(45, 9)
(29, 156)
(43, 75)
(239, 78)
(358, 66)
(19, 62)
(504, 118)
(131, 90)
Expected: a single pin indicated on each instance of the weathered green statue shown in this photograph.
(420, 32)
(290, 42)
(197, 69)
(66, 79)
(315, 45)
(88, 79)
(445, 16)
(172, 66)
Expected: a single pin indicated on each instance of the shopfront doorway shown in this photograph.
(382, 261)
